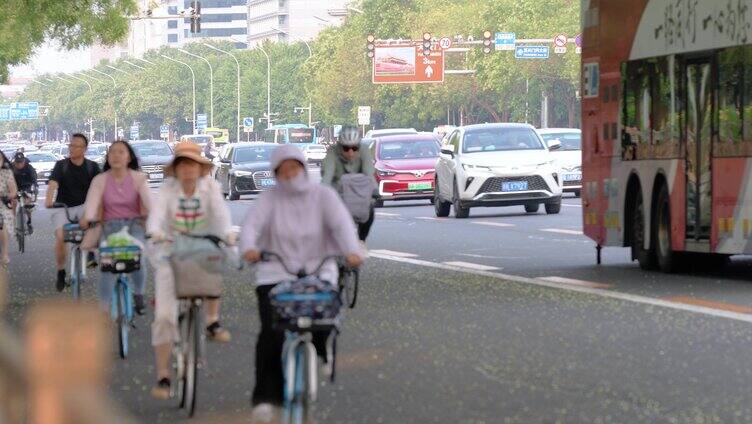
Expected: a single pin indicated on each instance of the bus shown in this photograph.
(290, 133)
(667, 130)
(221, 135)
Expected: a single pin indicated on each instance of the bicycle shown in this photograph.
(188, 352)
(348, 284)
(300, 314)
(73, 234)
(22, 210)
(121, 260)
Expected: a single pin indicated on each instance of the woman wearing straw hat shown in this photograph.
(190, 202)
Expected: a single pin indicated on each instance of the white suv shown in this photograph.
(568, 157)
(496, 165)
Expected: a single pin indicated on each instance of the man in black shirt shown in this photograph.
(26, 181)
(69, 182)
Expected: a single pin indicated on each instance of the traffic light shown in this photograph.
(487, 42)
(195, 17)
(426, 43)
(371, 46)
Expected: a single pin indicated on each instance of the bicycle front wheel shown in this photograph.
(300, 396)
(21, 232)
(191, 360)
(352, 278)
(122, 320)
(75, 278)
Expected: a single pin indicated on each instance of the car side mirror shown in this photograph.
(448, 150)
(554, 144)
(224, 160)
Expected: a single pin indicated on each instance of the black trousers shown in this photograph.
(365, 227)
(269, 378)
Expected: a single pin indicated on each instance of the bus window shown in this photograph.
(636, 107)
(270, 136)
(666, 107)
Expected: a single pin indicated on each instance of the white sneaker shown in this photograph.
(262, 413)
(325, 370)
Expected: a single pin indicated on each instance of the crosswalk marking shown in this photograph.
(562, 231)
(471, 265)
(386, 214)
(493, 224)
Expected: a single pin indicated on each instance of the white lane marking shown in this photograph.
(562, 231)
(429, 218)
(571, 206)
(587, 290)
(386, 214)
(493, 224)
(470, 265)
(572, 281)
(393, 253)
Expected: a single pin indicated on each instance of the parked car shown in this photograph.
(568, 157)
(496, 165)
(43, 162)
(153, 156)
(60, 150)
(314, 153)
(244, 168)
(405, 166)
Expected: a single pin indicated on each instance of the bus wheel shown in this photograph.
(645, 257)
(667, 260)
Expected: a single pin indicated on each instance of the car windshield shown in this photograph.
(41, 157)
(95, 150)
(408, 149)
(152, 149)
(500, 139)
(569, 141)
(253, 154)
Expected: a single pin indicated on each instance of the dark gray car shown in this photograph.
(153, 156)
(244, 168)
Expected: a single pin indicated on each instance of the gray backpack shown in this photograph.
(357, 194)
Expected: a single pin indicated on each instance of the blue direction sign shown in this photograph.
(19, 111)
(505, 40)
(164, 131)
(134, 132)
(201, 121)
(247, 124)
(532, 52)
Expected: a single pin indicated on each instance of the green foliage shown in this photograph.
(25, 24)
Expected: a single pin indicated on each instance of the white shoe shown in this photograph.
(364, 248)
(326, 370)
(262, 413)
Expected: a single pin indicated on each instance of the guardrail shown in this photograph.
(57, 373)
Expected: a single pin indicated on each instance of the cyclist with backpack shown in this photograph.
(69, 182)
(348, 168)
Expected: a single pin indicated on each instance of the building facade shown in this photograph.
(289, 20)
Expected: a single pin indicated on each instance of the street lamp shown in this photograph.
(114, 107)
(237, 125)
(193, 80)
(268, 87)
(40, 82)
(310, 54)
(134, 65)
(117, 69)
(211, 83)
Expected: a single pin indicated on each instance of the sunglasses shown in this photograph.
(349, 148)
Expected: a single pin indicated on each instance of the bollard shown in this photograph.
(67, 354)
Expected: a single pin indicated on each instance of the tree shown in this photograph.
(24, 25)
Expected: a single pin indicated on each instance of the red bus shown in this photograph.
(667, 128)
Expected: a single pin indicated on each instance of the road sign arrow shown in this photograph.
(429, 71)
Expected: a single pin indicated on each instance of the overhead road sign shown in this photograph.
(248, 124)
(578, 44)
(505, 41)
(560, 40)
(532, 52)
(445, 43)
(134, 132)
(164, 131)
(19, 111)
(407, 64)
(201, 122)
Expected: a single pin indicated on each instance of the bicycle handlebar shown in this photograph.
(266, 256)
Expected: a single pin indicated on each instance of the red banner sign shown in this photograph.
(406, 64)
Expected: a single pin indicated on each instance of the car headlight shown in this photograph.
(469, 167)
(242, 173)
(385, 172)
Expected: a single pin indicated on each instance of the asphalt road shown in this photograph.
(503, 317)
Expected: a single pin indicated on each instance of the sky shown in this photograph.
(50, 57)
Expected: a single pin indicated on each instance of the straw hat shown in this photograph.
(189, 150)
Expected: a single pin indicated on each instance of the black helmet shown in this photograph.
(19, 157)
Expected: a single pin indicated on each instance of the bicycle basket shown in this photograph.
(309, 299)
(198, 272)
(120, 260)
(73, 233)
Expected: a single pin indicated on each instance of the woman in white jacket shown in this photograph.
(189, 203)
(303, 222)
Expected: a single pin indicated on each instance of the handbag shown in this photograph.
(197, 266)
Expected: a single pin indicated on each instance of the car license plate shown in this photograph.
(267, 182)
(572, 177)
(514, 186)
(156, 176)
(419, 186)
